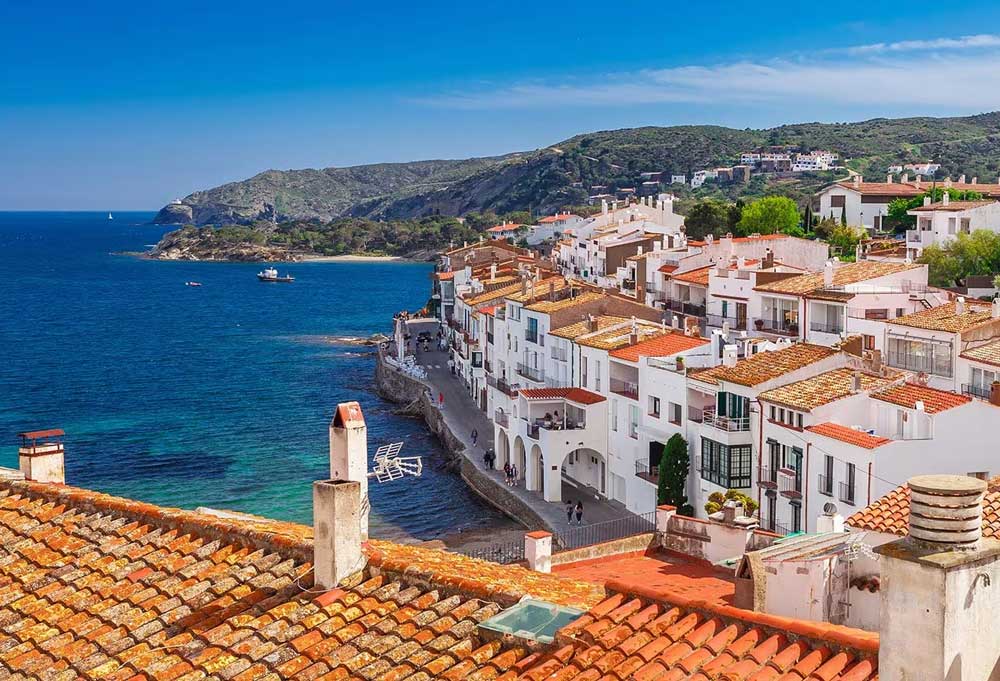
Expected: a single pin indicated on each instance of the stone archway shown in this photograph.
(519, 457)
(535, 473)
(502, 449)
(589, 468)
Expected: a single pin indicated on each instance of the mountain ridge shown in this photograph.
(546, 179)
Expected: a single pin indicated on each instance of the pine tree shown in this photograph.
(672, 478)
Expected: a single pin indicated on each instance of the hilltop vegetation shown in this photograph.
(545, 180)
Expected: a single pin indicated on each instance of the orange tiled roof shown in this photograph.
(830, 386)
(571, 331)
(891, 513)
(490, 296)
(662, 346)
(697, 276)
(849, 435)
(908, 394)
(914, 188)
(93, 586)
(944, 318)
(668, 269)
(444, 276)
(555, 218)
(766, 366)
(952, 206)
(578, 395)
(555, 305)
(987, 354)
(615, 338)
(843, 275)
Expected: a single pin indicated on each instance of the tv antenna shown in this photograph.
(389, 465)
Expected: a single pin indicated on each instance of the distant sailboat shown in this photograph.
(110, 216)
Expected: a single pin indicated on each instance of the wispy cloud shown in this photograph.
(953, 73)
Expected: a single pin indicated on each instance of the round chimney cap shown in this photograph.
(947, 485)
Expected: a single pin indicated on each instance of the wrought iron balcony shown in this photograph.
(825, 484)
(789, 484)
(501, 418)
(727, 423)
(824, 327)
(734, 323)
(643, 470)
(781, 326)
(625, 388)
(531, 373)
(846, 493)
(767, 477)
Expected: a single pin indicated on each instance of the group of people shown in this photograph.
(510, 474)
(574, 509)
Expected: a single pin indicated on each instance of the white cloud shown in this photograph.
(931, 73)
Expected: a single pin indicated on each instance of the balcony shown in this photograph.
(501, 418)
(846, 493)
(734, 323)
(693, 309)
(767, 477)
(789, 483)
(727, 423)
(502, 385)
(782, 326)
(980, 392)
(825, 485)
(823, 327)
(642, 470)
(559, 354)
(531, 373)
(625, 388)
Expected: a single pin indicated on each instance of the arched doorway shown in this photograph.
(503, 448)
(588, 467)
(519, 457)
(536, 477)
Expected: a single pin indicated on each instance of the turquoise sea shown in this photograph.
(213, 396)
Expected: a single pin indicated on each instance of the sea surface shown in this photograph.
(215, 396)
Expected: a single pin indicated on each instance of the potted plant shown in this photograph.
(758, 324)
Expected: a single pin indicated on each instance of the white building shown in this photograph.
(678, 179)
(941, 222)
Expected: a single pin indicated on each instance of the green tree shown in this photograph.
(844, 239)
(707, 216)
(824, 228)
(769, 215)
(673, 473)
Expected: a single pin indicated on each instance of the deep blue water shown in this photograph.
(217, 396)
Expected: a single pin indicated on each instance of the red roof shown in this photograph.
(556, 218)
(578, 395)
(849, 435)
(444, 276)
(39, 434)
(667, 269)
(661, 346)
(908, 394)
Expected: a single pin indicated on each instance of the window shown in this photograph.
(654, 406)
(826, 477)
(633, 421)
(837, 201)
(675, 413)
(932, 357)
(597, 376)
(796, 518)
(900, 312)
(869, 342)
(798, 421)
(614, 415)
(725, 466)
(774, 411)
(583, 371)
(880, 313)
(847, 487)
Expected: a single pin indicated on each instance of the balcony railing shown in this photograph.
(937, 364)
(501, 418)
(559, 353)
(777, 326)
(767, 477)
(642, 470)
(789, 484)
(488, 365)
(727, 423)
(824, 327)
(502, 385)
(981, 392)
(846, 493)
(625, 388)
(734, 323)
(825, 484)
(693, 309)
(531, 373)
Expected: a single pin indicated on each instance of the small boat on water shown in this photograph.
(192, 283)
(110, 216)
(270, 274)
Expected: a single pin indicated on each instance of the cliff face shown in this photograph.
(202, 244)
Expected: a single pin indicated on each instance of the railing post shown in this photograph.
(538, 550)
(664, 514)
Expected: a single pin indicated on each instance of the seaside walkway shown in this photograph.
(462, 415)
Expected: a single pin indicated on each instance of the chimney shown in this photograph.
(888, 178)
(591, 323)
(829, 520)
(633, 335)
(857, 181)
(996, 308)
(856, 382)
(768, 261)
(41, 456)
(904, 178)
(995, 393)
(975, 180)
(927, 200)
(945, 198)
(349, 454)
(961, 178)
(937, 586)
(336, 531)
(493, 271)
(960, 305)
(828, 275)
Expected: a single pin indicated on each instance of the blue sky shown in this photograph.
(114, 105)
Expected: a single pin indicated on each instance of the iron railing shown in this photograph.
(625, 388)
(734, 323)
(502, 385)
(981, 392)
(610, 530)
(825, 484)
(931, 364)
(647, 473)
(501, 418)
(767, 477)
(694, 310)
(531, 373)
(727, 423)
(824, 327)
(789, 484)
(776, 326)
(503, 553)
(846, 493)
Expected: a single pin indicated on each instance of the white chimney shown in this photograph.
(337, 512)
(996, 308)
(856, 382)
(828, 275)
(939, 586)
(349, 453)
(927, 200)
(729, 355)
(905, 177)
(961, 178)
(41, 457)
(945, 198)
(829, 521)
(888, 178)
(960, 305)
(857, 181)
(975, 180)
(493, 271)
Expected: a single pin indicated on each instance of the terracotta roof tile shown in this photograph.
(825, 388)
(843, 275)
(944, 318)
(848, 435)
(615, 338)
(766, 366)
(578, 395)
(661, 346)
(987, 354)
(907, 395)
(572, 331)
(891, 513)
(555, 305)
(952, 206)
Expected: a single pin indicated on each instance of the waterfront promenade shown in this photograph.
(462, 416)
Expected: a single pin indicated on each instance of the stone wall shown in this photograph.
(395, 386)
(637, 544)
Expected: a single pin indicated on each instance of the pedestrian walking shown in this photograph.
(579, 513)
(451, 365)
(506, 472)
(475, 436)
(513, 475)
(569, 512)
(440, 400)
